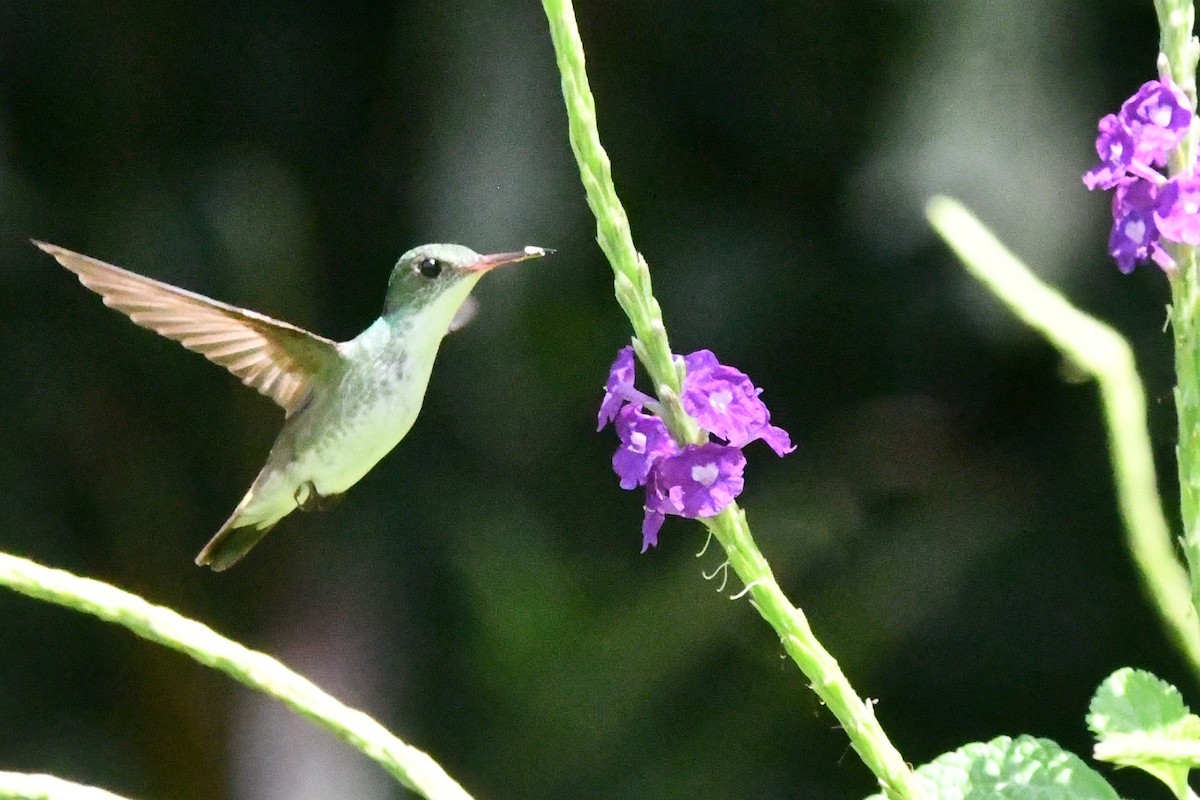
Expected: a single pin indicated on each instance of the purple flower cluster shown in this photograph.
(696, 480)
(1148, 207)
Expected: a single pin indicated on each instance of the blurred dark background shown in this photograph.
(947, 522)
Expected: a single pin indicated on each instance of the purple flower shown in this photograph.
(618, 386)
(698, 482)
(1157, 117)
(644, 441)
(651, 524)
(1134, 231)
(700, 479)
(726, 404)
(1177, 210)
(1115, 147)
(1146, 206)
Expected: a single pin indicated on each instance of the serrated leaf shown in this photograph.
(1134, 701)
(1141, 721)
(1024, 768)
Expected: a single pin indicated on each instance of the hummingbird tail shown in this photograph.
(232, 542)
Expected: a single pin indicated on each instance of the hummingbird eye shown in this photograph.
(429, 267)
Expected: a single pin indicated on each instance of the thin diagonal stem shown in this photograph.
(631, 273)
(410, 766)
(1176, 19)
(31, 786)
(1105, 355)
(634, 293)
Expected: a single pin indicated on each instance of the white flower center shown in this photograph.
(1135, 230)
(705, 474)
(720, 400)
(637, 442)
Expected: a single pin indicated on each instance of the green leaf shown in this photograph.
(1024, 768)
(1134, 701)
(1141, 721)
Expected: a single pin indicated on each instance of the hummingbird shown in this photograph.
(346, 404)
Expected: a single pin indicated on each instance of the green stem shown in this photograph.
(410, 766)
(1104, 354)
(1178, 62)
(634, 293)
(857, 717)
(631, 273)
(1176, 18)
(1185, 307)
(26, 786)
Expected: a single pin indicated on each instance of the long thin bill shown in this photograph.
(494, 260)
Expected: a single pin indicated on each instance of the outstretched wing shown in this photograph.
(277, 359)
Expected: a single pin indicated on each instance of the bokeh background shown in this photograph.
(947, 522)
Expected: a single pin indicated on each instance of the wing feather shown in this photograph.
(277, 359)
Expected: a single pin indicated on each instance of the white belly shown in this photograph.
(346, 455)
(357, 427)
(329, 446)
(347, 427)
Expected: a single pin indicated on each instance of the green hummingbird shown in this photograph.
(347, 404)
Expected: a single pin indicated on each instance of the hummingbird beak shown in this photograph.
(490, 262)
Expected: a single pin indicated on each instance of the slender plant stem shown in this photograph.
(857, 717)
(410, 766)
(1176, 19)
(631, 273)
(1185, 316)
(29, 786)
(634, 293)
(1105, 355)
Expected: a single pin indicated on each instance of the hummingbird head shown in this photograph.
(433, 274)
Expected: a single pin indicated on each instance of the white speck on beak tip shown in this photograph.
(530, 250)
